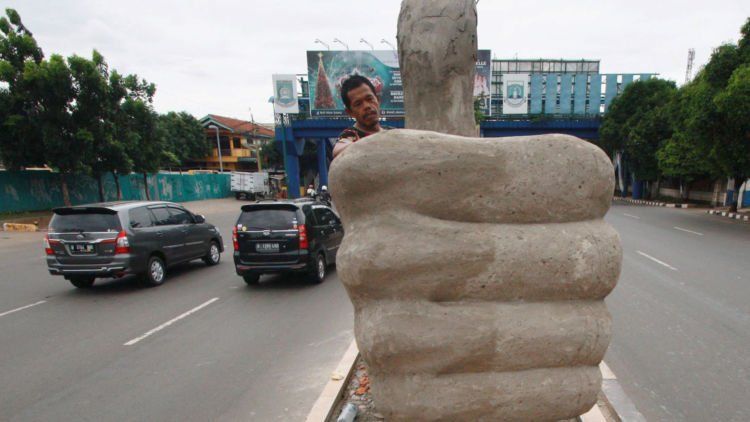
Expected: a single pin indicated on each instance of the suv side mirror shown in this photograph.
(200, 219)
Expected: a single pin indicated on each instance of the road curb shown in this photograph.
(333, 391)
(19, 227)
(653, 203)
(618, 406)
(727, 214)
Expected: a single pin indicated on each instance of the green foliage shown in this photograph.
(184, 138)
(271, 155)
(637, 123)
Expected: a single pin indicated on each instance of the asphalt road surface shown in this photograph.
(681, 345)
(237, 354)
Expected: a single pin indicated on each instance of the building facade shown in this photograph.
(240, 143)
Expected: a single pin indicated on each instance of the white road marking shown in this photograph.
(170, 322)
(688, 231)
(632, 216)
(22, 308)
(657, 261)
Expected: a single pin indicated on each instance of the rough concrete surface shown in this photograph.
(437, 50)
(478, 268)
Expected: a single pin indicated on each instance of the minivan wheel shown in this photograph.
(318, 272)
(251, 279)
(82, 282)
(214, 254)
(156, 272)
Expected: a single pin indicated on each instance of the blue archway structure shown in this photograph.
(324, 132)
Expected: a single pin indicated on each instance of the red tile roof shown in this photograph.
(238, 125)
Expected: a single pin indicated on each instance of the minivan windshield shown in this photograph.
(84, 222)
(268, 219)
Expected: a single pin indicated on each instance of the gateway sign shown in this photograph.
(515, 93)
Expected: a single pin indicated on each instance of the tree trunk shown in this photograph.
(738, 181)
(101, 187)
(117, 185)
(65, 193)
(687, 191)
(145, 186)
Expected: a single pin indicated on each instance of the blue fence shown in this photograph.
(42, 190)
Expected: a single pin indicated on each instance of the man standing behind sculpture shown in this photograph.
(363, 105)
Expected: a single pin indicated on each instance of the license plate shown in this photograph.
(267, 247)
(82, 248)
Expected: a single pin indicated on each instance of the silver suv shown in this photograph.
(115, 239)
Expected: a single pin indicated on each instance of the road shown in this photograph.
(681, 311)
(243, 354)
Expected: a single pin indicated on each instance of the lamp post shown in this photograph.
(342, 43)
(383, 41)
(364, 41)
(218, 146)
(283, 140)
(318, 41)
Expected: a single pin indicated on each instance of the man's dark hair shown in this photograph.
(354, 81)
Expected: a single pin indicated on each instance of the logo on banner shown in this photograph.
(285, 93)
(516, 94)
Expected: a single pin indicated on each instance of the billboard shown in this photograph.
(482, 79)
(327, 70)
(515, 93)
(285, 94)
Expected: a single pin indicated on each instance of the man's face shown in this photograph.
(364, 106)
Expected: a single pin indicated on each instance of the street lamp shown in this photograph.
(383, 41)
(362, 40)
(318, 41)
(218, 146)
(342, 43)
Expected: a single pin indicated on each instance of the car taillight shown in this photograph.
(122, 244)
(48, 245)
(235, 243)
(303, 242)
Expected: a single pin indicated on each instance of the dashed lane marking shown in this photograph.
(657, 261)
(22, 308)
(632, 216)
(170, 322)
(687, 231)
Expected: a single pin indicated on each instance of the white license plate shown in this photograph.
(267, 247)
(82, 248)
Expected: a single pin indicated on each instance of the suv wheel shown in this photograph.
(251, 279)
(318, 272)
(82, 282)
(214, 255)
(156, 272)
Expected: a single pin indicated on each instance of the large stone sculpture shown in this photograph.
(477, 267)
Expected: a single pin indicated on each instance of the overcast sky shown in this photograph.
(218, 56)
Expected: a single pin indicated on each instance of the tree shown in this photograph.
(184, 137)
(21, 141)
(138, 126)
(67, 150)
(98, 100)
(271, 155)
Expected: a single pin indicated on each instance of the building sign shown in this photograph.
(515, 93)
(327, 70)
(482, 79)
(285, 94)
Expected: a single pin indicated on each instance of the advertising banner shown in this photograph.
(515, 93)
(327, 70)
(285, 94)
(482, 79)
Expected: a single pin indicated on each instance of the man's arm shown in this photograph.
(341, 145)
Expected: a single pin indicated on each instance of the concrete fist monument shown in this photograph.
(477, 267)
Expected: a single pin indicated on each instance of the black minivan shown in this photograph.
(115, 239)
(299, 236)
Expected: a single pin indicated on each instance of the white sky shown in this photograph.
(218, 56)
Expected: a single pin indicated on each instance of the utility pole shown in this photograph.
(689, 70)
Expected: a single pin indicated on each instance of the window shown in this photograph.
(269, 219)
(161, 215)
(325, 216)
(140, 218)
(236, 142)
(179, 216)
(84, 221)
